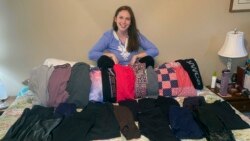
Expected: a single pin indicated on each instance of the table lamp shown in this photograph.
(233, 47)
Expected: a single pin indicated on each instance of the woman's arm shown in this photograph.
(149, 48)
(98, 49)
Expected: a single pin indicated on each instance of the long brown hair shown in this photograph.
(133, 42)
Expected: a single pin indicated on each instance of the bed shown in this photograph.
(28, 99)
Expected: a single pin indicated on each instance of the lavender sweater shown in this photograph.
(111, 43)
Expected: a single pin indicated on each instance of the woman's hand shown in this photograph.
(112, 56)
(137, 56)
(133, 60)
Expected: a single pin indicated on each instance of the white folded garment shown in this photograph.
(3, 105)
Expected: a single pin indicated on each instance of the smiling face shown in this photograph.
(123, 20)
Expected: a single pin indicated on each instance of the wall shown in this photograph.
(31, 31)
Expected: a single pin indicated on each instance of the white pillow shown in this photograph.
(54, 62)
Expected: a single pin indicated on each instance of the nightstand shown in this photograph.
(9, 100)
(241, 103)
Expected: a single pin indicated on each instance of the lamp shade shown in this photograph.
(233, 46)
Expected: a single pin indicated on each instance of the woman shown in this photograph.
(122, 43)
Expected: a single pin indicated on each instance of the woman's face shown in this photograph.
(123, 20)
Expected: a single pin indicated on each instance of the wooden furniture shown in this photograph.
(9, 100)
(241, 103)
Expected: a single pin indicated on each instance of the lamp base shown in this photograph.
(229, 63)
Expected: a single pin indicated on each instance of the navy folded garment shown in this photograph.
(183, 124)
(192, 103)
(65, 109)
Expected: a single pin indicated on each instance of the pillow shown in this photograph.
(173, 80)
(54, 62)
(167, 80)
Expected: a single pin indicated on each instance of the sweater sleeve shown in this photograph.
(148, 46)
(97, 50)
